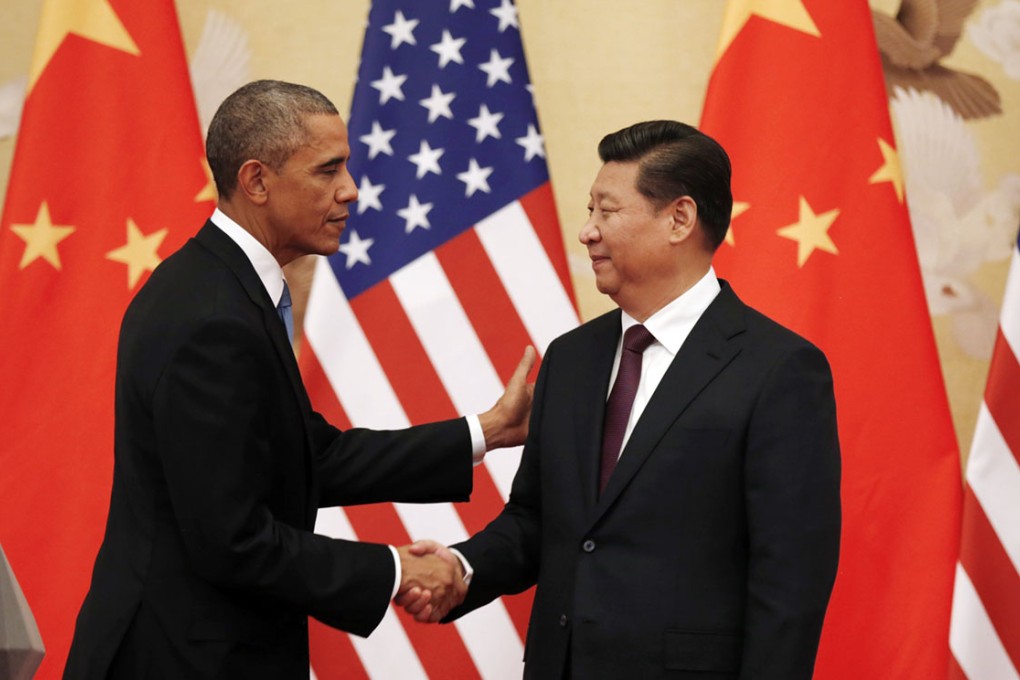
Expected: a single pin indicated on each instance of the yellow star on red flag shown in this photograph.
(890, 170)
(208, 192)
(139, 253)
(91, 19)
(738, 210)
(811, 232)
(41, 238)
(789, 13)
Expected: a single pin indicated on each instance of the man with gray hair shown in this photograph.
(209, 566)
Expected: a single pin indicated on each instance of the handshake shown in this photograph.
(432, 581)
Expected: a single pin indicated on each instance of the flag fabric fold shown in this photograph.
(985, 628)
(821, 241)
(107, 179)
(451, 264)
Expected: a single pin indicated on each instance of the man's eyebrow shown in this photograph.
(336, 160)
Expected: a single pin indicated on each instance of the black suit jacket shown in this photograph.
(713, 550)
(209, 567)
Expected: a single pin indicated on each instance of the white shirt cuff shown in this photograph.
(468, 571)
(398, 571)
(477, 439)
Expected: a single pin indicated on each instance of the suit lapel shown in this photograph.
(714, 341)
(213, 238)
(595, 365)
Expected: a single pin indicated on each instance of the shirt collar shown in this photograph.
(266, 266)
(673, 323)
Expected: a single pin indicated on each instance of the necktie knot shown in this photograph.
(285, 298)
(637, 339)
(286, 315)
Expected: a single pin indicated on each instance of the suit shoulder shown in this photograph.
(607, 323)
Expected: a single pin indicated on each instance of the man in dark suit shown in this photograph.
(209, 567)
(708, 547)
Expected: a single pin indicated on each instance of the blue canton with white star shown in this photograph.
(443, 131)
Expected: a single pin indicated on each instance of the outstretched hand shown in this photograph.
(506, 423)
(432, 581)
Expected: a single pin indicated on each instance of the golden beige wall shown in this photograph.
(596, 66)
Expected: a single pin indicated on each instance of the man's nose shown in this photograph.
(347, 192)
(589, 232)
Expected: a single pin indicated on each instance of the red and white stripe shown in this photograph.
(438, 339)
(985, 630)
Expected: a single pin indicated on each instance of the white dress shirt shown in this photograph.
(670, 326)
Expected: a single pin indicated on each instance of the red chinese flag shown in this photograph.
(107, 179)
(821, 241)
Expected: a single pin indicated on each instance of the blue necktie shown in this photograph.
(286, 316)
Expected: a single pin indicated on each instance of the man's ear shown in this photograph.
(684, 215)
(251, 181)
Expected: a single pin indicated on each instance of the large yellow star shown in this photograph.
(890, 170)
(41, 238)
(139, 253)
(91, 19)
(789, 13)
(208, 192)
(738, 210)
(811, 232)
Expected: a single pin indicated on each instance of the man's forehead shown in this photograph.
(614, 179)
(326, 136)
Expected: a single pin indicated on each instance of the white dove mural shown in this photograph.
(219, 65)
(959, 224)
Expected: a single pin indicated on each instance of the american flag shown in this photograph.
(985, 630)
(452, 263)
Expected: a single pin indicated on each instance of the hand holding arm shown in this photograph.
(506, 423)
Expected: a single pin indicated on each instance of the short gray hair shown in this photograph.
(263, 120)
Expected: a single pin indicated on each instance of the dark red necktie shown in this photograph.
(621, 398)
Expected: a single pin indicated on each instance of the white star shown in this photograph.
(356, 250)
(389, 86)
(507, 15)
(415, 215)
(378, 140)
(475, 178)
(427, 159)
(368, 195)
(533, 143)
(457, 4)
(487, 124)
(402, 30)
(448, 49)
(497, 68)
(438, 104)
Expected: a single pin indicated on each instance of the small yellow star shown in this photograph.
(208, 192)
(91, 19)
(738, 210)
(811, 232)
(789, 13)
(139, 253)
(41, 238)
(890, 170)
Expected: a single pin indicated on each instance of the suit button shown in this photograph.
(563, 620)
(588, 546)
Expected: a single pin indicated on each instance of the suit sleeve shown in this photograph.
(792, 476)
(505, 554)
(217, 422)
(423, 464)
